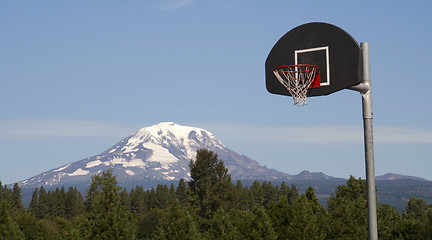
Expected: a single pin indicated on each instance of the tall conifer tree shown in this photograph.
(9, 230)
(106, 217)
(210, 183)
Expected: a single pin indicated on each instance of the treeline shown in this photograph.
(209, 206)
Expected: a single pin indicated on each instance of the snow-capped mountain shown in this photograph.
(158, 153)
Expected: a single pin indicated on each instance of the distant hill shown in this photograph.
(397, 192)
(392, 177)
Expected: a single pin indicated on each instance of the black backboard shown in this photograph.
(332, 49)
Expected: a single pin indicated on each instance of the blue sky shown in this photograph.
(78, 76)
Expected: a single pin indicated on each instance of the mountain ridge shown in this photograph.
(394, 176)
(162, 152)
(159, 152)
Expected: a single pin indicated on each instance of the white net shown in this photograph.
(297, 79)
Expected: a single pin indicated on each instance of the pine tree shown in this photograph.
(43, 204)
(389, 222)
(16, 199)
(270, 193)
(240, 224)
(293, 193)
(348, 211)
(163, 199)
(417, 208)
(172, 197)
(137, 200)
(284, 189)
(106, 218)
(124, 199)
(417, 220)
(223, 225)
(177, 223)
(281, 215)
(30, 226)
(6, 195)
(182, 193)
(251, 224)
(261, 226)
(309, 218)
(58, 199)
(257, 193)
(241, 201)
(3, 192)
(9, 230)
(34, 203)
(74, 205)
(150, 198)
(210, 183)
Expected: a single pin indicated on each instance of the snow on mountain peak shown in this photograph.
(162, 151)
(167, 134)
(170, 130)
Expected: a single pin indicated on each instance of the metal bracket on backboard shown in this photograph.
(363, 88)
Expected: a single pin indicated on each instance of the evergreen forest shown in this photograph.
(208, 206)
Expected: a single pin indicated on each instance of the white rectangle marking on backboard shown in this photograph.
(326, 48)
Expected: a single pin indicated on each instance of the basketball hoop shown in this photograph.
(297, 79)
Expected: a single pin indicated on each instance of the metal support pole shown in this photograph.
(365, 90)
(368, 143)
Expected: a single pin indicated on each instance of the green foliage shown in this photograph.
(33, 206)
(241, 197)
(293, 194)
(224, 225)
(12, 197)
(259, 226)
(389, 223)
(16, 198)
(9, 229)
(182, 192)
(258, 194)
(207, 207)
(310, 219)
(106, 218)
(43, 204)
(29, 225)
(417, 220)
(348, 211)
(240, 224)
(280, 214)
(73, 203)
(417, 208)
(56, 203)
(177, 223)
(137, 201)
(303, 218)
(210, 183)
(163, 197)
(5, 194)
(148, 223)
